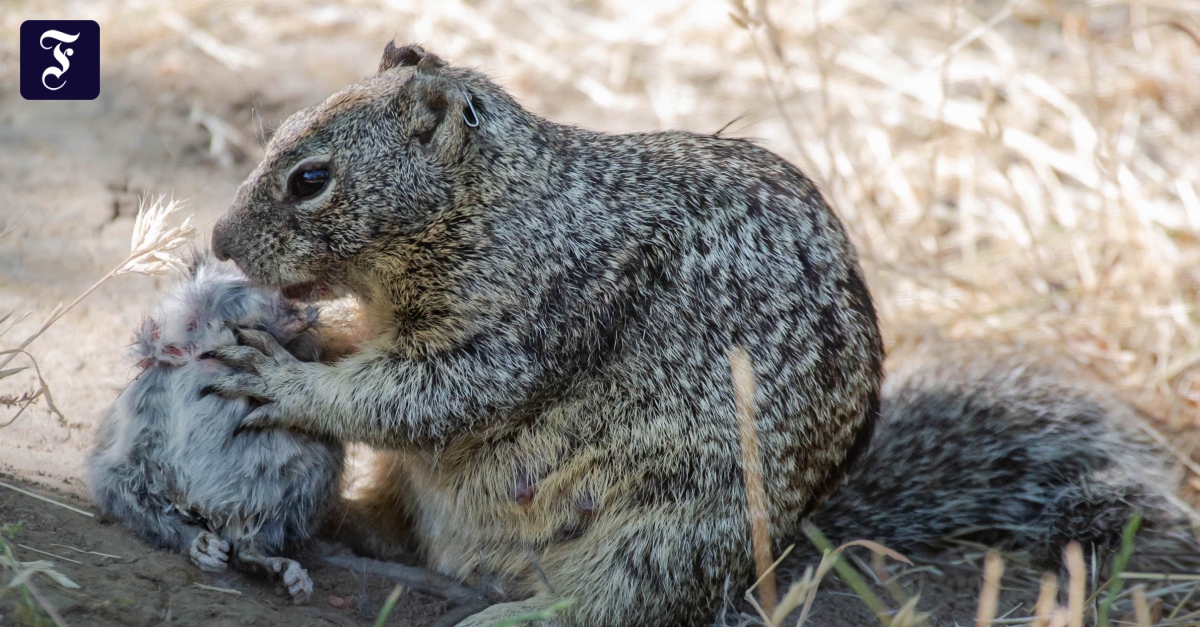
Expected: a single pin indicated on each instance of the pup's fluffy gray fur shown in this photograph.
(169, 462)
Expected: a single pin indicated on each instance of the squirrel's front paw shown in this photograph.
(209, 552)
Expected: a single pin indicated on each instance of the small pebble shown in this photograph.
(339, 603)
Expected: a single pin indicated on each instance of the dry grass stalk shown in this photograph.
(744, 389)
(794, 596)
(831, 558)
(46, 499)
(153, 242)
(45, 604)
(1046, 602)
(1077, 586)
(22, 579)
(1161, 576)
(79, 550)
(989, 595)
(151, 252)
(48, 554)
(230, 591)
(232, 57)
(1141, 609)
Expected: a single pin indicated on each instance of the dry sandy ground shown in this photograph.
(70, 174)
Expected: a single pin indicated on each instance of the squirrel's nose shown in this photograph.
(220, 241)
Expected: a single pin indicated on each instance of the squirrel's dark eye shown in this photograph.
(308, 182)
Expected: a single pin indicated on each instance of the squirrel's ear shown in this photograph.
(432, 102)
(451, 110)
(408, 56)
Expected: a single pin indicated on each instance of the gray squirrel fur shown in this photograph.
(1005, 447)
(552, 311)
(168, 462)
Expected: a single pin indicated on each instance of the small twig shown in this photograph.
(47, 500)
(77, 550)
(57, 557)
(236, 593)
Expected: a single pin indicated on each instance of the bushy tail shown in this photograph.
(1008, 451)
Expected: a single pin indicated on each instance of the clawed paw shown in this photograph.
(294, 577)
(298, 583)
(209, 552)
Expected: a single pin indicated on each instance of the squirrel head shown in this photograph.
(363, 175)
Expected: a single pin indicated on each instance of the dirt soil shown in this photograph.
(132, 584)
(142, 586)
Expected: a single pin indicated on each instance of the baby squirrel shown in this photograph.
(169, 462)
(552, 311)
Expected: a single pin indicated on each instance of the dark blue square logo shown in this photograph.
(60, 60)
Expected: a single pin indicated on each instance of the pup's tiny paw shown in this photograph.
(295, 578)
(209, 552)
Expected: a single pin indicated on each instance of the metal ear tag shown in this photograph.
(472, 120)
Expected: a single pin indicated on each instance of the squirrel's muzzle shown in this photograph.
(220, 241)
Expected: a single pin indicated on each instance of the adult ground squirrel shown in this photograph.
(552, 311)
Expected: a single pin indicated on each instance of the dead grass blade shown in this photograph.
(79, 550)
(847, 572)
(229, 591)
(48, 553)
(989, 595)
(46, 500)
(1077, 587)
(756, 497)
(1046, 602)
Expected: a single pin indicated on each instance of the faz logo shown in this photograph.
(60, 60)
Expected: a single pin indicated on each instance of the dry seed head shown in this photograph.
(154, 240)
